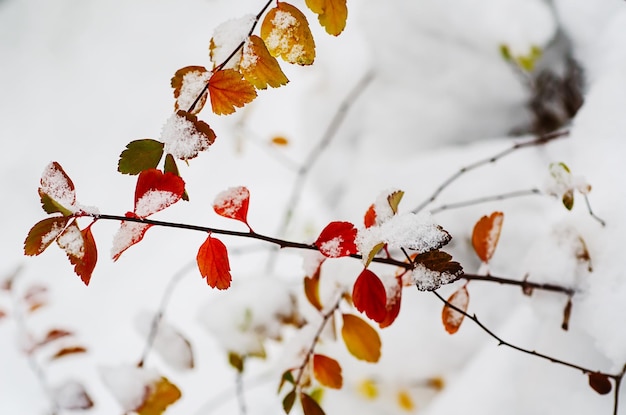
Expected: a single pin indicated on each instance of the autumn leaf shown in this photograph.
(280, 141)
(227, 90)
(332, 14)
(161, 394)
(360, 338)
(327, 371)
(369, 296)
(393, 306)
(140, 155)
(129, 234)
(405, 401)
(43, 234)
(80, 248)
(368, 388)
(72, 396)
(434, 269)
(51, 335)
(259, 67)
(156, 191)
(57, 191)
(310, 406)
(67, 351)
(312, 289)
(170, 167)
(337, 239)
(451, 318)
(213, 263)
(188, 83)
(286, 33)
(185, 136)
(600, 383)
(233, 203)
(486, 235)
(289, 400)
(370, 216)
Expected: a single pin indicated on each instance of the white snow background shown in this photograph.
(79, 80)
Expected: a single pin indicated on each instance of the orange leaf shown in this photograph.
(486, 234)
(332, 14)
(337, 239)
(80, 248)
(259, 67)
(309, 405)
(361, 339)
(213, 263)
(233, 203)
(280, 141)
(188, 83)
(66, 351)
(600, 383)
(312, 290)
(327, 371)
(286, 33)
(451, 318)
(369, 296)
(370, 216)
(228, 90)
(43, 234)
(161, 394)
(405, 401)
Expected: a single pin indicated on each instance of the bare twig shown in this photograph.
(525, 285)
(541, 140)
(239, 390)
(485, 199)
(593, 215)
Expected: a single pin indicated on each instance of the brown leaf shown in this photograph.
(451, 318)
(43, 234)
(227, 90)
(600, 383)
(332, 14)
(362, 341)
(66, 351)
(327, 371)
(286, 33)
(486, 234)
(312, 290)
(259, 67)
(310, 406)
(188, 83)
(434, 269)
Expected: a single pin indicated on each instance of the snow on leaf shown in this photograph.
(81, 250)
(312, 290)
(394, 300)
(43, 234)
(486, 235)
(127, 235)
(562, 184)
(162, 394)
(360, 338)
(233, 203)
(600, 383)
(68, 351)
(140, 155)
(57, 191)
(227, 37)
(309, 405)
(451, 318)
(259, 67)
(369, 296)
(156, 191)
(327, 371)
(332, 14)
(213, 263)
(286, 33)
(188, 83)
(434, 269)
(337, 239)
(185, 136)
(169, 343)
(227, 90)
(72, 396)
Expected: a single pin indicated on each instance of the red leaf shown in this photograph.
(451, 318)
(600, 383)
(213, 263)
(156, 190)
(81, 250)
(369, 296)
(128, 235)
(393, 306)
(486, 234)
(233, 204)
(370, 216)
(337, 240)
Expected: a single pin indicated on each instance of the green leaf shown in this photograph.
(140, 155)
(51, 206)
(170, 166)
(286, 377)
(289, 400)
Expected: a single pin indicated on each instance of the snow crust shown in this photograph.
(182, 139)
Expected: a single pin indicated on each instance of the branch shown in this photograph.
(541, 140)
(525, 285)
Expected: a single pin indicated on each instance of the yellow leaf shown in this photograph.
(327, 371)
(259, 67)
(228, 90)
(286, 33)
(161, 394)
(332, 14)
(405, 401)
(361, 339)
(368, 388)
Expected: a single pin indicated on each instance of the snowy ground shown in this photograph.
(81, 80)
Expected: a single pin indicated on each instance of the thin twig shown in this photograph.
(593, 215)
(239, 390)
(485, 199)
(543, 139)
(523, 284)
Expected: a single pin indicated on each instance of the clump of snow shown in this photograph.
(72, 242)
(127, 235)
(182, 139)
(227, 37)
(129, 384)
(193, 83)
(168, 343)
(153, 201)
(417, 232)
